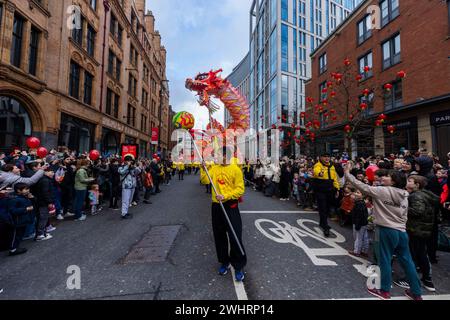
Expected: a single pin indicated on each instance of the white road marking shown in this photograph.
(429, 297)
(239, 287)
(278, 211)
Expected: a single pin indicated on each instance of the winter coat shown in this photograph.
(426, 170)
(360, 214)
(45, 192)
(422, 212)
(114, 176)
(17, 207)
(82, 179)
(9, 179)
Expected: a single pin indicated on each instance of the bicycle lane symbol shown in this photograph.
(282, 232)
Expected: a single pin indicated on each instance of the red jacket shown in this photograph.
(444, 194)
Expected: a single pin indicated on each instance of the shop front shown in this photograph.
(15, 124)
(405, 136)
(440, 122)
(76, 134)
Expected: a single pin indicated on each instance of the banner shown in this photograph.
(155, 135)
(130, 150)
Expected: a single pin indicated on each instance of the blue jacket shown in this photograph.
(17, 207)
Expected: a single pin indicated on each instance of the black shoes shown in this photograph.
(326, 233)
(127, 216)
(17, 252)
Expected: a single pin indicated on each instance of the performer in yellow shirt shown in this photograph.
(326, 187)
(181, 168)
(229, 183)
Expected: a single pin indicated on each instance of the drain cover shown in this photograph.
(154, 246)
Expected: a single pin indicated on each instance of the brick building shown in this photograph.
(414, 36)
(81, 73)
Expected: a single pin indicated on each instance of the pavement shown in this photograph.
(288, 259)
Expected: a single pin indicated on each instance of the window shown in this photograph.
(111, 57)
(119, 35)
(391, 52)
(284, 48)
(389, 11)
(74, 80)
(16, 46)
(116, 105)
(77, 34)
(369, 100)
(364, 29)
(113, 24)
(132, 85)
(143, 123)
(33, 54)
(366, 61)
(109, 96)
(394, 98)
(323, 63)
(131, 116)
(88, 80)
(118, 68)
(284, 10)
(90, 40)
(322, 94)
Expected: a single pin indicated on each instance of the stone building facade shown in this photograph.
(81, 73)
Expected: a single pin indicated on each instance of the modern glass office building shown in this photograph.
(283, 33)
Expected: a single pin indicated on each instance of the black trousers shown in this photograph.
(17, 237)
(67, 196)
(223, 233)
(418, 247)
(432, 243)
(324, 202)
(181, 175)
(115, 194)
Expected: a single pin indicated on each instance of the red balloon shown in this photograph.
(33, 142)
(370, 172)
(94, 155)
(42, 152)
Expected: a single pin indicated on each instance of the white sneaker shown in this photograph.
(59, 217)
(70, 214)
(43, 238)
(29, 237)
(50, 228)
(82, 218)
(134, 203)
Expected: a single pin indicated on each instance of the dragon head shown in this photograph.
(205, 85)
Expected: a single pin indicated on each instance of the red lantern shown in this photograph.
(347, 62)
(94, 155)
(325, 102)
(289, 134)
(347, 128)
(324, 90)
(274, 126)
(388, 87)
(307, 132)
(391, 129)
(42, 152)
(366, 92)
(332, 111)
(293, 126)
(155, 156)
(309, 124)
(321, 109)
(370, 172)
(329, 84)
(363, 106)
(302, 115)
(378, 123)
(351, 117)
(382, 117)
(309, 100)
(33, 142)
(367, 69)
(401, 74)
(279, 118)
(334, 118)
(359, 77)
(333, 94)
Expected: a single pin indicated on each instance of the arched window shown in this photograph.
(15, 123)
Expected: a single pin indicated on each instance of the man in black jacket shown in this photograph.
(114, 184)
(67, 187)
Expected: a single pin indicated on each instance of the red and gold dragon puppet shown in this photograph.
(210, 84)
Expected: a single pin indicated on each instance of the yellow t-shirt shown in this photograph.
(228, 180)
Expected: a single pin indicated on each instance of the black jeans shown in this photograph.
(181, 175)
(432, 243)
(221, 228)
(324, 202)
(67, 196)
(418, 247)
(115, 194)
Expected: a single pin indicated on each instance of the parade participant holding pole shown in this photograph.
(228, 188)
(326, 187)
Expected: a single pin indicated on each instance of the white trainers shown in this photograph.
(50, 228)
(43, 238)
(82, 218)
(59, 217)
(134, 203)
(69, 214)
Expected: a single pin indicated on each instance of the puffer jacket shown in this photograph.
(17, 206)
(422, 212)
